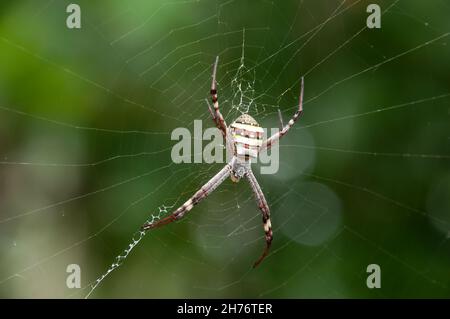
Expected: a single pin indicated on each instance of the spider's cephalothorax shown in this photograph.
(244, 140)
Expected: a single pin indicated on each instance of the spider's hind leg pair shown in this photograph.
(244, 140)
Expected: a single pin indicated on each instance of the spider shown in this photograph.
(244, 140)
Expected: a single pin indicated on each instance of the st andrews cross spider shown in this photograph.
(244, 140)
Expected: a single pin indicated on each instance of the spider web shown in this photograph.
(85, 148)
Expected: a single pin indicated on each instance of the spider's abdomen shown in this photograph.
(247, 136)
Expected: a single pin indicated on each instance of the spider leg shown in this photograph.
(201, 194)
(262, 204)
(212, 114)
(215, 112)
(267, 144)
(218, 118)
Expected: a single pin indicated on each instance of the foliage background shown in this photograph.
(355, 186)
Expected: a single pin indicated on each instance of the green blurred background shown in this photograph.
(85, 122)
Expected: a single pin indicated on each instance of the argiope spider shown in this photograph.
(244, 140)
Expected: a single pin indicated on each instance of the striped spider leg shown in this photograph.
(267, 144)
(201, 194)
(264, 207)
(217, 116)
(244, 141)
